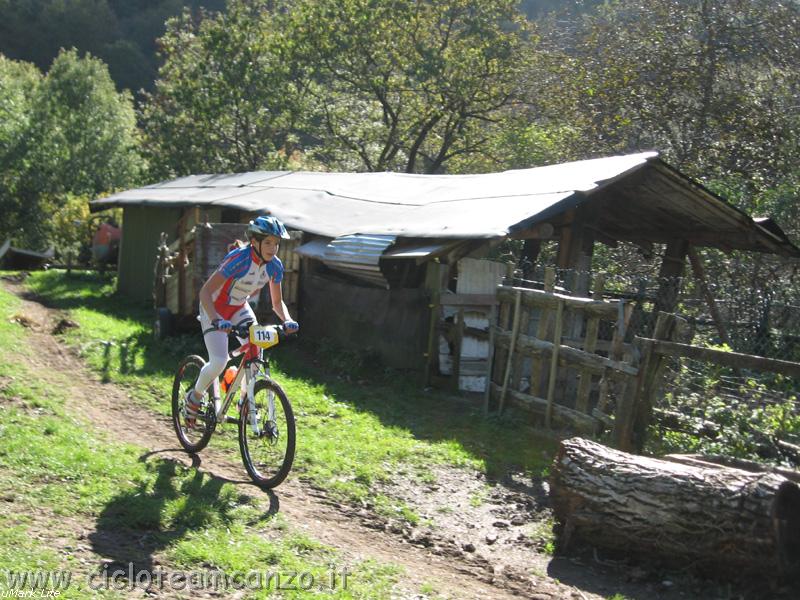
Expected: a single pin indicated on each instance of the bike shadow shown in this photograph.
(139, 527)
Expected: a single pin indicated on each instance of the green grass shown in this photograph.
(53, 465)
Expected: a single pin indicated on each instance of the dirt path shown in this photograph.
(479, 550)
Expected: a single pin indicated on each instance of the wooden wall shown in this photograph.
(390, 323)
(141, 231)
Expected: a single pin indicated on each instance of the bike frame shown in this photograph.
(250, 367)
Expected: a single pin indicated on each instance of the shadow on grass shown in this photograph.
(139, 523)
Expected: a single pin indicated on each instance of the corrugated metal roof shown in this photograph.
(360, 255)
(398, 204)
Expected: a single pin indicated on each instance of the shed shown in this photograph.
(377, 245)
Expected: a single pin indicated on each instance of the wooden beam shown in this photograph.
(549, 300)
(594, 363)
(540, 231)
(671, 270)
(727, 359)
(583, 423)
(490, 359)
(511, 347)
(551, 384)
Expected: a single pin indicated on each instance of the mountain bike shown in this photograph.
(265, 419)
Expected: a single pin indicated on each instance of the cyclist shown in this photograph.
(223, 299)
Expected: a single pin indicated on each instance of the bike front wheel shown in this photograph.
(267, 434)
(193, 433)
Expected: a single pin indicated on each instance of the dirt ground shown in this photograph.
(477, 539)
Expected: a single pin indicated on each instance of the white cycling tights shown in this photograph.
(217, 346)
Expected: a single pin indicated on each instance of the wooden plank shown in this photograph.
(590, 346)
(550, 300)
(512, 346)
(726, 359)
(551, 386)
(632, 434)
(431, 358)
(519, 358)
(543, 350)
(600, 345)
(541, 331)
(500, 351)
(181, 262)
(581, 422)
(458, 342)
(615, 355)
(490, 359)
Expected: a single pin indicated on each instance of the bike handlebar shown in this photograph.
(243, 331)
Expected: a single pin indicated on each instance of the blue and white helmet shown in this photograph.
(262, 226)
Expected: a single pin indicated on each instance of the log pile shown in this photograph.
(715, 519)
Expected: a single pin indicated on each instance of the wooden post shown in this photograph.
(669, 275)
(509, 362)
(181, 261)
(648, 380)
(434, 276)
(487, 394)
(551, 387)
(458, 342)
(573, 327)
(589, 345)
(537, 369)
(519, 359)
(432, 354)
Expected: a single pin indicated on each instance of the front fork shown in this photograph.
(254, 374)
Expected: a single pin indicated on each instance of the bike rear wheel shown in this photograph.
(193, 435)
(268, 450)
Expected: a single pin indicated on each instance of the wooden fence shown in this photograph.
(564, 358)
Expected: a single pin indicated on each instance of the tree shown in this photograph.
(711, 83)
(226, 100)
(19, 83)
(121, 32)
(409, 84)
(73, 134)
(85, 131)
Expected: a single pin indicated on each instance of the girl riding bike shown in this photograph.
(223, 299)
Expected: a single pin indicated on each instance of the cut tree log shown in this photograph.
(718, 520)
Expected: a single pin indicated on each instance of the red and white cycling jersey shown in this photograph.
(244, 276)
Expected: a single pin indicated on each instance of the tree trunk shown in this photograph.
(716, 519)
